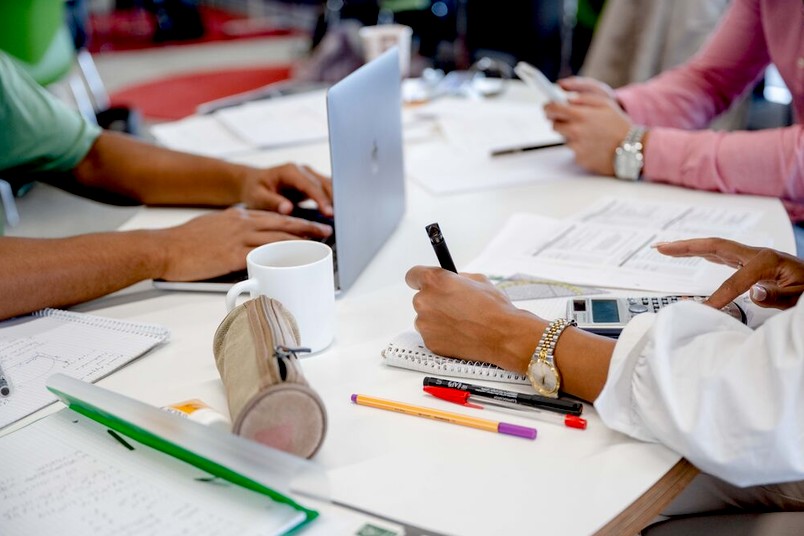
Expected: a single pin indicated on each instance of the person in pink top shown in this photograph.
(657, 130)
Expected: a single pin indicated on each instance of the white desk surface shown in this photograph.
(445, 478)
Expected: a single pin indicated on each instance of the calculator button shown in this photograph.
(637, 308)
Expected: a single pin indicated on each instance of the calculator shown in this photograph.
(608, 316)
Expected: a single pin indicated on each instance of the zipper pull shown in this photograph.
(281, 353)
(287, 352)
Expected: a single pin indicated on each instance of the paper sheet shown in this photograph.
(203, 135)
(669, 216)
(470, 131)
(484, 126)
(442, 168)
(589, 250)
(290, 120)
(67, 472)
(87, 347)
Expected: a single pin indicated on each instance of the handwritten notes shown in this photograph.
(82, 346)
(64, 471)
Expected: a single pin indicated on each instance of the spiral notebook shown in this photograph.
(408, 351)
(83, 346)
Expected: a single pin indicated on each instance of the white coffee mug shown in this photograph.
(299, 274)
(378, 39)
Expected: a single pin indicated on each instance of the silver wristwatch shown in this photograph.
(628, 158)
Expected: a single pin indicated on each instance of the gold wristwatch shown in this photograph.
(542, 371)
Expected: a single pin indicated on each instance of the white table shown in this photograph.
(447, 479)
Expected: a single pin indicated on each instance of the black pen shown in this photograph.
(515, 150)
(440, 247)
(5, 389)
(558, 405)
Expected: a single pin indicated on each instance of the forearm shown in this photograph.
(767, 162)
(157, 176)
(581, 357)
(39, 273)
(713, 390)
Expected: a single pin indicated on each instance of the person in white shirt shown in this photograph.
(726, 397)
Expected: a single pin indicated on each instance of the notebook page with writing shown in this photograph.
(83, 346)
(65, 472)
(408, 351)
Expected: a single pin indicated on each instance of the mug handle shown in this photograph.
(249, 285)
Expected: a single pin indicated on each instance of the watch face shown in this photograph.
(543, 375)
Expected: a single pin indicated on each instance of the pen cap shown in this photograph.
(269, 398)
(573, 421)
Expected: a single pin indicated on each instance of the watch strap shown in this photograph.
(630, 148)
(544, 353)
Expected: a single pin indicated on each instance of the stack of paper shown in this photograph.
(289, 120)
(610, 246)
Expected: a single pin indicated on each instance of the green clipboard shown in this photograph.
(227, 456)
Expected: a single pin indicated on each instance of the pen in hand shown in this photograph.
(440, 247)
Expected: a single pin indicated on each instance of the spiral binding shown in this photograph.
(122, 326)
(423, 360)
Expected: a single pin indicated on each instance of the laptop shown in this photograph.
(364, 112)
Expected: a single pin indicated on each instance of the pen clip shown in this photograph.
(451, 395)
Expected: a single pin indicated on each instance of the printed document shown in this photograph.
(609, 246)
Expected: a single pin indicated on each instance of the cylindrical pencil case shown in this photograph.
(269, 399)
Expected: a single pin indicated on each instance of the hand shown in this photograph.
(279, 187)
(593, 126)
(216, 244)
(775, 279)
(465, 316)
(587, 86)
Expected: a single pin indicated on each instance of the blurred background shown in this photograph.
(162, 59)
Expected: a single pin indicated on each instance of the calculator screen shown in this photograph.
(605, 311)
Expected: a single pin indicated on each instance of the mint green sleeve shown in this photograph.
(38, 133)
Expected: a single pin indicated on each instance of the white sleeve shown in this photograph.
(727, 398)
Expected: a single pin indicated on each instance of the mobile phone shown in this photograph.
(608, 316)
(534, 78)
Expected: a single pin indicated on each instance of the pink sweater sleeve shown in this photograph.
(764, 162)
(769, 162)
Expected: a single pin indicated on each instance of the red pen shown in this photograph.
(464, 398)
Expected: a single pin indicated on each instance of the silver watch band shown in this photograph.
(628, 157)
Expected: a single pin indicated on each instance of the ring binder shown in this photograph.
(121, 326)
(408, 351)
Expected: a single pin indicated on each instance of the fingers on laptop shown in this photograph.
(271, 222)
(309, 182)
